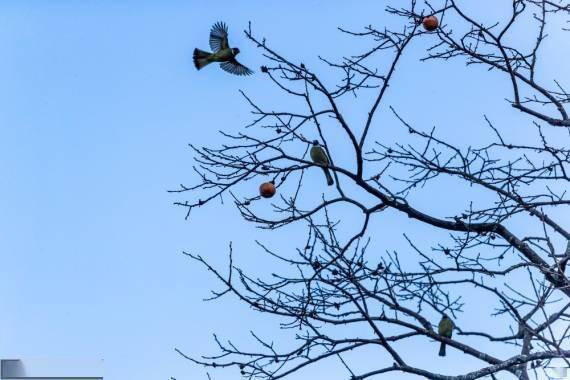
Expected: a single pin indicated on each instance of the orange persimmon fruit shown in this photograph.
(267, 190)
(430, 23)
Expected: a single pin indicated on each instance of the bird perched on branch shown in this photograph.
(222, 52)
(445, 329)
(319, 156)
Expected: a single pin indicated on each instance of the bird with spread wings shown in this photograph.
(222, 52)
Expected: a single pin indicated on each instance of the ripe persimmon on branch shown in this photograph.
(507, 247)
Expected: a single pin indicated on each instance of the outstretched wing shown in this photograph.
(219, 36)
(234, 67)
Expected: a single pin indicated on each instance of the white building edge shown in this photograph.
(51, 369)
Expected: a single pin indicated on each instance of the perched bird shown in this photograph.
(444, 329)
(319, 156)
(222, 52)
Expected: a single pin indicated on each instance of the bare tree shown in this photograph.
(338, 283)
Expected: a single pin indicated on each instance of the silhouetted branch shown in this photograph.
(333, 283)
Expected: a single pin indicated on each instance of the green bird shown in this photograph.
(222, 52)
(319, 156)
(444, 329)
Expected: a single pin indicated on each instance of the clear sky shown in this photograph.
(98, 101)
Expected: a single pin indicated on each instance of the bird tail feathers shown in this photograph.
(330, 180)
(201, 58)
(442, 349)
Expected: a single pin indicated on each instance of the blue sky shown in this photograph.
(99, 100)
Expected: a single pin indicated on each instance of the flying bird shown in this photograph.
(319, 156)
(222, 52)
(444, 329)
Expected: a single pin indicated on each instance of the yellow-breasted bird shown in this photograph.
(445, 329)
(222, 52)
(319, 156)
